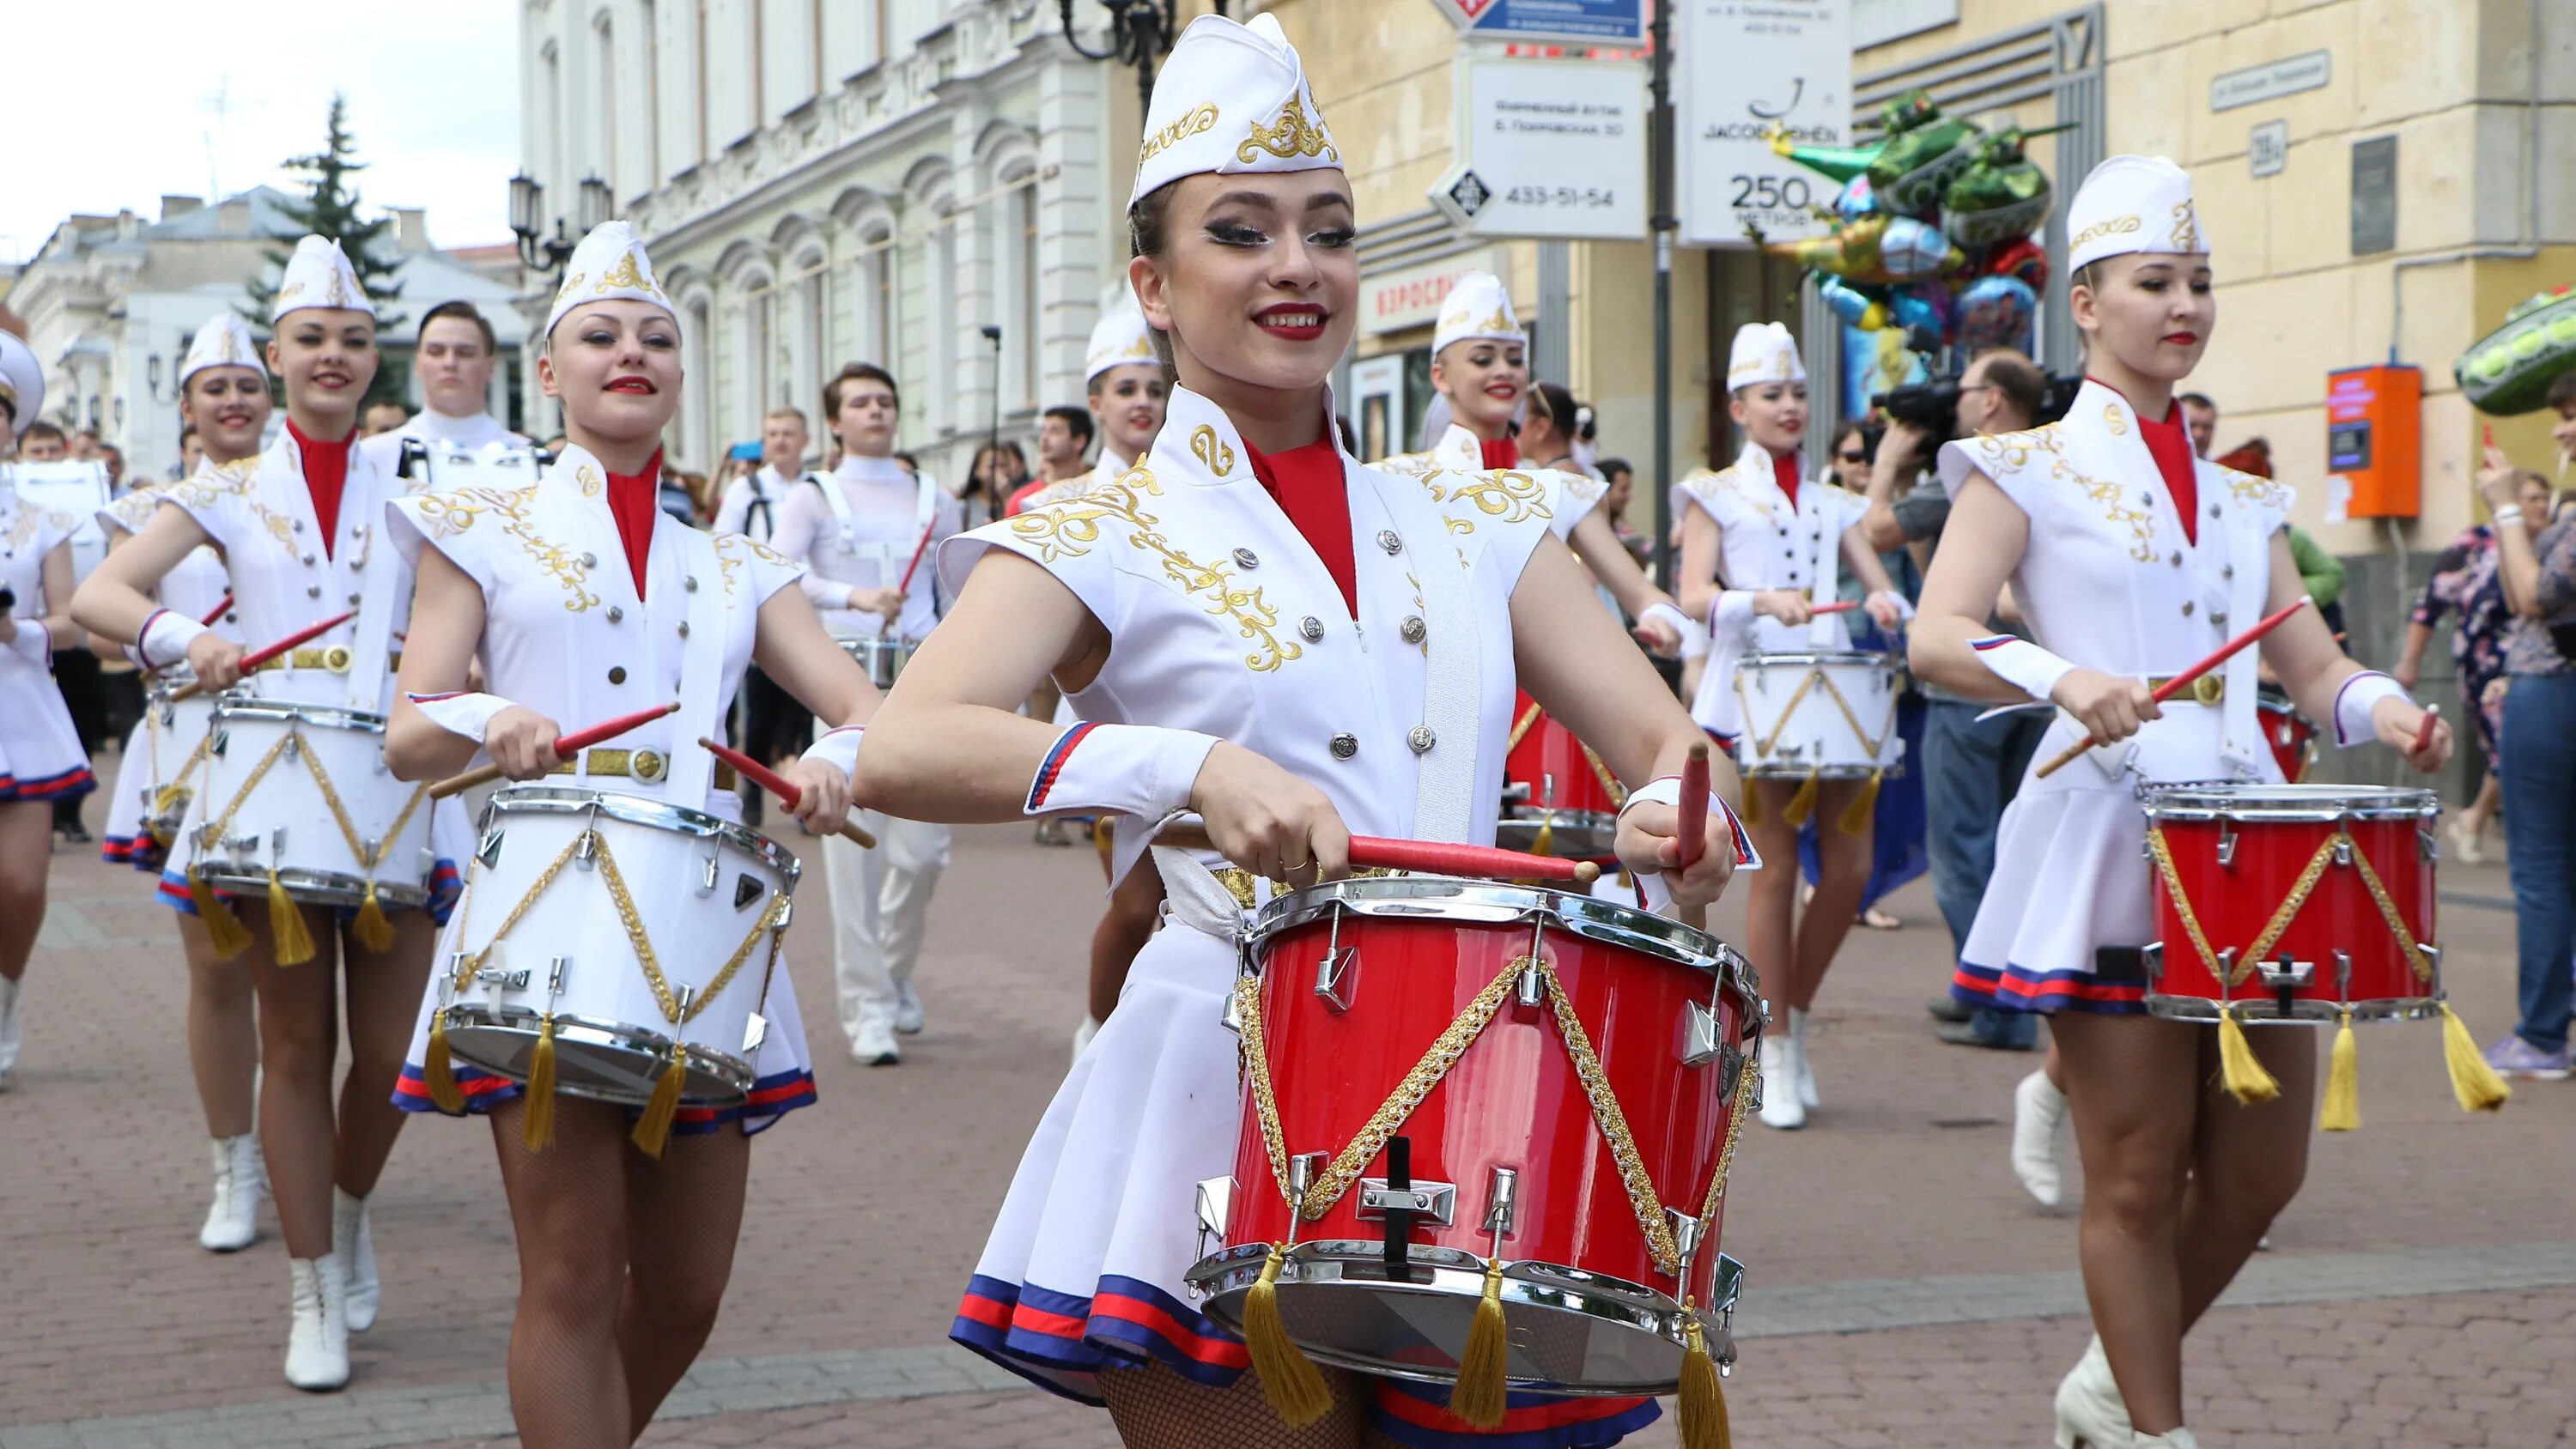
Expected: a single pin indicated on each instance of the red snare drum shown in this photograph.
(1358, 980)
(1556, 792)
(2292, 738)
(2235, 854)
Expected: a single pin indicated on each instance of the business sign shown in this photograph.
(1745, 69)
(1610, 24)
(1411, 296)
(2267, 147)
(2271, 80)
(1548, 148)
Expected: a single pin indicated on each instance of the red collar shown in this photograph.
(634, 500)
(1784, 472)
(326, 475)
(1308, 486)
(1502, 452)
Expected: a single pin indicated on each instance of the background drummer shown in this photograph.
(858, 531)
(1760, 547)
(223, 396)
(453, 364)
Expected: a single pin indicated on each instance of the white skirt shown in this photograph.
(40, 751)
(123, 841)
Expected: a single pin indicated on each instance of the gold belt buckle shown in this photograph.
(2209, 689)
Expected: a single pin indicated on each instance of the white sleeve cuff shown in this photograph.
(1904, 610)
(1731, 614)
(164, 639)
(460, 714)
(2024, 665)
(1668, 791)
(838, 746)
(1671, 615)
(1142, 770)
(2354, 702)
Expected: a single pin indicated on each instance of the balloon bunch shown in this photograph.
(1932, 233)
(2509, 370)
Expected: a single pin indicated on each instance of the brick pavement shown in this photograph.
(867, 1210)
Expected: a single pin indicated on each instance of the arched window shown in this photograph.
(603, 116)
(809, 326)
(696, 443)
(749, 341)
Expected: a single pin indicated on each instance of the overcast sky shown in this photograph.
(113, 102)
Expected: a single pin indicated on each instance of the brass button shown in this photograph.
(1422, 739)
(2186, 608)
(617, 674)
(684, 628)
(299, 525)
(1345, 746)
(690, 583)
(1412, 629)
(308, 560)
(1311, 627)
(2227, 571)
(1387, 540)
(2218, 617)
(2213, 510)
(2177, 558)
(616, 615)
(312, 591)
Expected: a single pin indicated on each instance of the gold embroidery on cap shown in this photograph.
(1293, 134)
(626, 274)
(2186, 227)
(1174, 134)
(1213, 452)
(2116, 226)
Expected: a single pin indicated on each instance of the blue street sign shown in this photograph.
(1615, 23)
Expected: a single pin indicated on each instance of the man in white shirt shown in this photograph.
(453, 363)
(775, 725)
(865, 534)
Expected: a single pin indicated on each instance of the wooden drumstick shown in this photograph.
(1377, 852)
(787, 791)
(1693, 826)
(258, 657)
(2183, 681)
(566, 746)
(1838, 606)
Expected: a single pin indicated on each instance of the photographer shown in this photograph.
(1970, 767)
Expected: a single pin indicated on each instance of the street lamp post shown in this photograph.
(543, 253)
(1140, 32)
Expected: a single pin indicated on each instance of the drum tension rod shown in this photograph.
(1399, 1221)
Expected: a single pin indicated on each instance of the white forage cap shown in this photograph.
(1764, 352)
(1120, 337)
(2133, 204)
(319, 275)
(1231, 98)
(223, 342)
(1477, 306)
(608, 265)
(22, 382)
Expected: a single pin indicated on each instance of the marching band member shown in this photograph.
(2129, 560)
(296, 528)
(453, 359)
(623, 1257)
(1294, 646)
(223, 395)
(41, 759)
(1480, 363)
(1760, 545)
(864, 536)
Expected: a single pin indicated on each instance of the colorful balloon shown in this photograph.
(1836, 163)
(1875, 248)
(2509, 370)
(1856, 200)
(1861, 307)
(2001, 194)
(2023, 260)
(1923, 153)
(1996, 312)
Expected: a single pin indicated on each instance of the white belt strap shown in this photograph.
(1445, 777)
(1195, 898)
(384, 589)
(2240, 742)
(701, 669)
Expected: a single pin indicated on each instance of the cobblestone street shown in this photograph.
(1902, 1289)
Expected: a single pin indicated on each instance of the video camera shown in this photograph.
(1934, 406)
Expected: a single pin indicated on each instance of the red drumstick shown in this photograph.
(256, 658)
(566, 746)
(918, 550)
(221, 605)
(1838, 606)
(1694, 824)
(2424, 732)
(1378, 852)
(2183, 681)
(782, 787)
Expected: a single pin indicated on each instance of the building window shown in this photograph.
(652, 98)
(697, 431)
(812, 341)
(604, 115)
(872, 298)
(1022, 208)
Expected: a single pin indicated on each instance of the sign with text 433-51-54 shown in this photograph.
(1743, 69)
(1548, 148)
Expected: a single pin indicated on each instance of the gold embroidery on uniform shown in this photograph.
(1501, 494)
(1293, 134)
(1177, 132)
(2255, 489)
(1070, 528)
(2114, 420)
(1213, 452)
(1409, 465)
(729, 547)
(588, 477)
(449, 514)
(2011, 452)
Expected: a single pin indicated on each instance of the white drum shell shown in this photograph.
(175, 731)
(882, 659)
(286, 824)
(699, 885)
(1832, 714)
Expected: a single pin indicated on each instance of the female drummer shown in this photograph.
(41, 760)
(1480, 363)
(223, 396)
(295, 528)
(575, 597)
(1760, 546)
(1260, 630)
(2131, 560)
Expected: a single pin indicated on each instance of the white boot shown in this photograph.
(317, 1345)
(2039, 1136)
(8, 1031)
(2169, 1439)
(1781, 1106)
(355, 1247)
(1806, 1062)
(872, 1043)
(2090, 1412)
(232, 1223)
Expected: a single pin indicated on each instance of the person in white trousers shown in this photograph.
(864, 533)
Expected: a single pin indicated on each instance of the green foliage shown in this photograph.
(330, 207)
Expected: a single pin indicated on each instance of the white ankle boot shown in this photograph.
(8, 1031)
(2090, 1412)
(2169, 1439)
(1806, 1062)
(2039, 1137)
(1782, 1106)
(355, 1247)
(232, 1223)
(317, 1344)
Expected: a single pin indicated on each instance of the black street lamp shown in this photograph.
(1140, 33)
(542, 253)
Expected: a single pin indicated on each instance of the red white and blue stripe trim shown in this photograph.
(446, 884)
(141, 656)
(1051, 768)
(770, 1098)
(2016, 988)
(70, 784)
(1993, 641)
(1418, 1415)
(435, 698)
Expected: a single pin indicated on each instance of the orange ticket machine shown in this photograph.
(2374, 423)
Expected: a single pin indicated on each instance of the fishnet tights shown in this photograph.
(1154, 1407)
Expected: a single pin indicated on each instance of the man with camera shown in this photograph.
(1970, 767)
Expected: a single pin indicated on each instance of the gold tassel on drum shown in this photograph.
(286, 923)
(1704, 1423)
(537, 1127)
(224, 929)
(1483, 1391)
(2239, 1070)
(653, 1128)
(1289, 1380)
(1803, 804)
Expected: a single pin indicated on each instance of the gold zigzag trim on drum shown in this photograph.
(2291, 905)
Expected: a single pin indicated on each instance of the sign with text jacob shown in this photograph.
(1548, 148)
(1743, 69)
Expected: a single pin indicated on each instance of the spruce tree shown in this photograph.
(329, 208)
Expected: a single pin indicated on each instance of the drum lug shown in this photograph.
(1730, 1070)
(428, 862)
(2152, 957)
(276, 844)
(754, 1032)
(1336, 975)
(1232, 1020)
(1425, 1199)
(373, 848)
(221, 742)
(1531, 990)
(294, 745)
(2428, 844)
(2283, 973)
(1501, 1201)
(488, 850)
(1686, 1232)
(2343, 975)
(1701, 1042)
(2226, 966)
(710, 872)
(786, 913)
(1215, 1207)
(495, 976)
(2433, 958)
(2227, 842)
(585, 853)
(2343, 850)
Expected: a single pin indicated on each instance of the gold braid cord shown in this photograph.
(628, 917)
(1521, 728)
(2406, 942)
(1613, 1123)
(2287, 911)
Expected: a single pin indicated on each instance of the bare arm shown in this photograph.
(1896, 454)
(1700, 540)
(1979, 551)
(2313, 668)
(116, 600)
(446, 629)
(1596, 543)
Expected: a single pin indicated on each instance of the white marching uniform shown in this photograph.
(567, 634)
(1571, 497)
(40, 751)
(1106, 470)
(193, 588)
(472, 434)
(2110, 582)
(259, 512)
(860, 527)
(1767, 542)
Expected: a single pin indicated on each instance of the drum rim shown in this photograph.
(644, 810)
(1589, 917)
(232, 705)
(2299, 804)
(307, 885)
(1814, 657)
(462, 1017)
(2254, 1008)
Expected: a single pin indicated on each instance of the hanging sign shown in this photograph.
(1611, 24)
(1741, 70)
(1548, 148)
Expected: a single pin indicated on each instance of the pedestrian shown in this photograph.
(382, 416)
(1896, 818)
(192, 451)
(1762, 544)
(453, 361)
(1080, 1286)
(223, 393)
(2538, 756)
(1064, 438)
(2463, 584)
(2181, 1183)
(295, 530)
(42, 442)
(626, 1225)
(999, 471)
(1618, 488)
(774, 726)
(41, 759)
(865, 535)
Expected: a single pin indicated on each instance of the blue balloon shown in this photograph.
(1857, 199)
(1997, 312)
(1849, 301)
